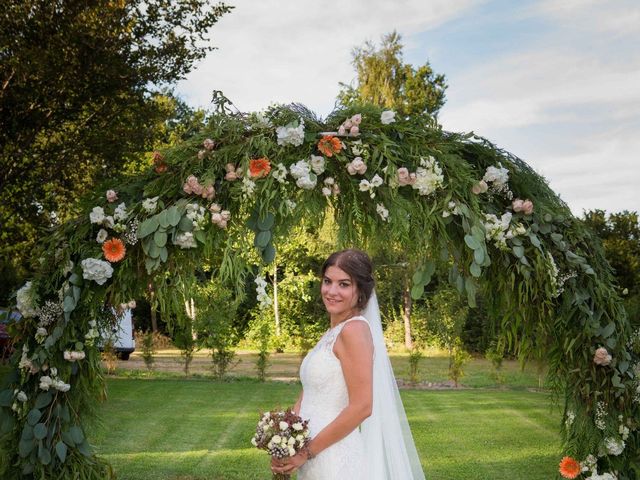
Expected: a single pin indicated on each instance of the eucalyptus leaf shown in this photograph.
(75, 279)
(154, 250)
(262, 239)
(478, 256)
(173, 216)
(76, 434)
(160, 238)
(164, 254)
(608, 330)
(535, 241)
(477, 232)
(44, 455)
(147, 227)
(25, 447)
(269, 253)
(40, 431)
(518, 251)
(163, 219)
(69, 304)
(200, 236)
(472, 242)
(34, 417)
(266, 223)
(6, 397)
(68, 439)
(43, 399)
(84, 448)
(185, 224)
(545, 228)
(475, 270)
(61, 451)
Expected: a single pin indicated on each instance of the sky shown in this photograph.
(557, 83)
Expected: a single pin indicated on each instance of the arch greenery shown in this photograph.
(230, 194)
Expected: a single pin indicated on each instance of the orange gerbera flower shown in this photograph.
(113, 250)
(569, 468)
(328, 145)
(259, 167)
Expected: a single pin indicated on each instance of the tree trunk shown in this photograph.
(406, 315)
(154, 320)
(276, 311)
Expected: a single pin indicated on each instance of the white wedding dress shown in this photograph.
(382, 448)
(325, 396)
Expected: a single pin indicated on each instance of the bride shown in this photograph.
(357, 422)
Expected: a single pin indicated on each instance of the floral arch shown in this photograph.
(236, 188)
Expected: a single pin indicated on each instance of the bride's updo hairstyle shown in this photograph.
(358, 266)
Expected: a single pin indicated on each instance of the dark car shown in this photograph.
(6, 317)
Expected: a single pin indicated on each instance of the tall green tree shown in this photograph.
(620, 235)
(385, 80)
(81, 87)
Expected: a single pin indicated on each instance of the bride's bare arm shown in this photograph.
(354, 349)
(296, 407)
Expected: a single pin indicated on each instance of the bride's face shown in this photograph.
(339, 292)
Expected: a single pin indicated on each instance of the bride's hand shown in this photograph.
(288, 465)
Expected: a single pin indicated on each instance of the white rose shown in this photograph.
(291, 441)
(102, 235)
(276, 439)
(67, 355)
(61, 386)
(326, 191)
(292, 451)
(22, 397)
(185, 240)
(308, 183)
(300, 169)
(283, 425)
(109, 222)
(45, 383)
(253, 442)
(317, 164)
(376, 181)
(387, 117)
(96, 215)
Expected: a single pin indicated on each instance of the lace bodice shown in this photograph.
(325, 396)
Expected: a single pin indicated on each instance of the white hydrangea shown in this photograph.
(25, 298)
(291, 205)
(120, 214)
(185, 240)
(301, 171)
(307, 183)
(96, 269)
(428, 176)
(496, 175)
(317, 163)
(291, 134)
(614, 446)
(150, 204)
(97, 215)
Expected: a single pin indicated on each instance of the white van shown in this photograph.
(121, 335)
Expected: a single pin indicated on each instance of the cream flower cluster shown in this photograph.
(25, 298)
(428, 176)
(330, 187)
(185, 240)
(261, 289)
(248, 187)
(52, 381)
(370, 186)
(197, 214)
(497, 179)
(96, 270)
(291, 134)
(301, 171)
(26, 363)
(496, 228)
(279, 172)
(92, 334)
(193, 187)
(233, 173)
(382, 211)
(452, 209)
(150, 204)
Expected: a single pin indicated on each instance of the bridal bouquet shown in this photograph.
(281, 434)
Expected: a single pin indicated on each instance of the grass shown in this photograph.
(161, 425)
(200, 429)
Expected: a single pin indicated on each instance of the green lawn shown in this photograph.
(200, 429)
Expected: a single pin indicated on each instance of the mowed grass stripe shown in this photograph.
(198, 429)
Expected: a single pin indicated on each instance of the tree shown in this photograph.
(385, 80)
(620, 235)
(80, 97)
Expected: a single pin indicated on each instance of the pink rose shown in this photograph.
(355, 130)
(356, 119)
(403, 176)
(192, 181)
(231, 176)
(347, 124)
(602, 357)
(222, 223)
(208, 192)
(517, 205)
(342, 130)
(209, 144)
(215, 208)
(356, 166)
(335, 188)
(480, 187)
(112, 196)
(187, 189)
(226, 215)
(527, 207)
(216, 218)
